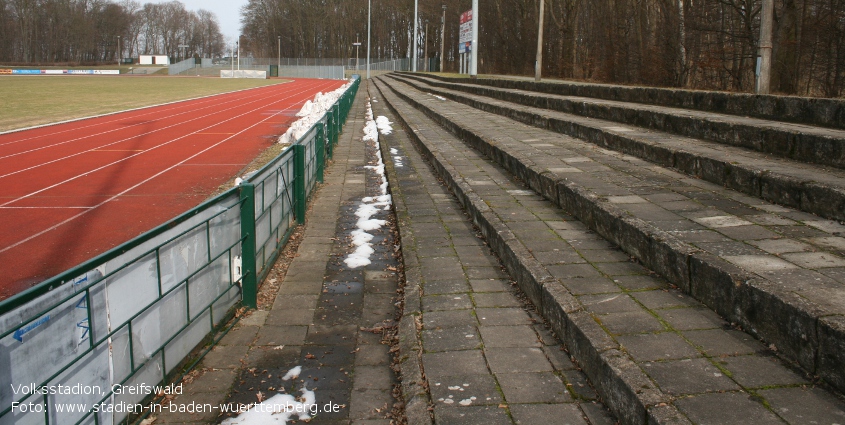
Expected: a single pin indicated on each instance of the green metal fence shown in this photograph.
(132, 315)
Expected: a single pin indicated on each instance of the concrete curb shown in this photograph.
(763, 308)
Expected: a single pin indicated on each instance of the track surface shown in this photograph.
(72, 191)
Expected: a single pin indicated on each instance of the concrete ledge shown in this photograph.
(805, 194)
(802, 110)
(624, 387)
(832, 349)
(761, 307)
(821, 148)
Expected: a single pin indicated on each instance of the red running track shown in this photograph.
(72, 191)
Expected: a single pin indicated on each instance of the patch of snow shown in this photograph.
(383, 125)
(278, 409)
(369, 205)
(310, 113)
(371, 131)
(292, 374)
(438, 97)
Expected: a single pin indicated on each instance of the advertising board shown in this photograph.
(465, 33)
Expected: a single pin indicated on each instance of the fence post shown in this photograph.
(320, 146)
(330, 145)
(249, 280)
(337, 124)
(299, 182)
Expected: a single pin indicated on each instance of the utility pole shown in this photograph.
(764, 66)
(416, 35)
(425, 50)
(369, 25)
(442, 37)
(538, 64)
(473, 70)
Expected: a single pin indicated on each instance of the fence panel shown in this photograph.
(133, 314)
(182, 66)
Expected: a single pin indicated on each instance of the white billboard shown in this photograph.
(465, 34)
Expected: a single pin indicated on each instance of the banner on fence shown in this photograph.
(60, 71)
(243, 73)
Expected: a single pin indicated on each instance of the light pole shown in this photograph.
(416, 30)
(473, 70)
(238, 43)
(425, 50)
(765, 60)
(280, 52)
(442, 36)
(369, 25)
(538, 64)
(118, 51)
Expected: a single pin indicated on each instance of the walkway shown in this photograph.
(327, 319)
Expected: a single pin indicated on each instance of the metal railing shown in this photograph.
(296, 67)
(132, 315)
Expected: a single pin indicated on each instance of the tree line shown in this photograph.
(92, 31)
(701, 44)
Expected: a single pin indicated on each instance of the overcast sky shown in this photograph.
(228, 13)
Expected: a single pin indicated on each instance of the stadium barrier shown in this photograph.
(243, 73)
(292, 67)
(103, 335)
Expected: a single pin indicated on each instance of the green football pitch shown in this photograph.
(34, 100)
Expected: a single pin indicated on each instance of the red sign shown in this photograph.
(466, 16)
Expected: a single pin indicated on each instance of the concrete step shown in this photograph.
(656, 354)
(775, 271)
(808, 187)
(813, 111)
(801, 142)
(473, 350)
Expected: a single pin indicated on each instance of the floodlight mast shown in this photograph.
(473, 70)
(538, 64)
(416, 30)
(442, 37)
(369, 25)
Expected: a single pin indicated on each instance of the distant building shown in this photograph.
(154, 60)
